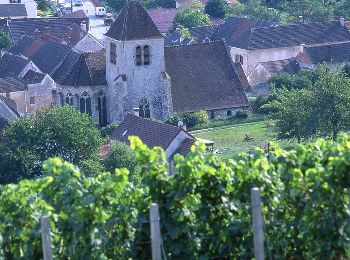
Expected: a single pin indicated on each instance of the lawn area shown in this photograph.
(231, 139)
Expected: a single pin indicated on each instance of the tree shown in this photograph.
(5, 41)
(57, 131)
(216, 8)
(121, 156)
(191, 15)
(117, 5)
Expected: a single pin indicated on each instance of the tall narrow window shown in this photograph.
(61, 97)
(138, 56)
(146, 55)
(113, 53)
(85, 103)
(239, 58)
(144, 108)
(102, 109)
(69, 99)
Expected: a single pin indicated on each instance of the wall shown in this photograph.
(258, 75)
(145, 81)
(89, 44)
(175, 144)
(20, 98)
(222, 113)
(6, 112)
(43, 94)
(244, 53)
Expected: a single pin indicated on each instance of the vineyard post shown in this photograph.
(155, 232)
(257, 224)
(45, 236)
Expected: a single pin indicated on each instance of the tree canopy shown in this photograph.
(216, 8)
(56, 131)
(191, 15)
(5, 41)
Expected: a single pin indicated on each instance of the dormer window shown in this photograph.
(138, 57)
(146, 59)
(113, 53)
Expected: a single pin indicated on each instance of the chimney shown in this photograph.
(136, 111)
(342, 21)
(300, 19)
(302, 46)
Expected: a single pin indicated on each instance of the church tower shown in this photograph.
(135, 66)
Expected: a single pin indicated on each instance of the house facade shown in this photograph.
(14, 8)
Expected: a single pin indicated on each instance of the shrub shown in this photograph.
(190, 119)
(240, 113)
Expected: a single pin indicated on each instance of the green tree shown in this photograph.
(216, 8)
(5, 41)
(121, 156)
(56, 131)
(191, 15)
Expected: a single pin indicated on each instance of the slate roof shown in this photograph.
(150, 132)
(10, 103)
(296, 34)
(34, 26)
(46, 55)
(3, 123)
(33, 77)
(80, 14)
(203, 78)
(185, 146)
(12, 84)
(12, 65)
(337, 53)
(133, 23)
(13, 10)
(82, 69)
(290, 66)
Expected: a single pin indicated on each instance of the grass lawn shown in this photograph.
(230, 139)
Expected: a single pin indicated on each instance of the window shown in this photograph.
(15, 1)
(239, 59)
(69, 99)
(61, 98)
(144, 108)
(146, 55)
(32, 100)
(138, 57)
(102, 109)
(113, 53)
(85, 103)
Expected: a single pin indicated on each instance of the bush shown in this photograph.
(120, 156)
(240, 113)
(190, 119)
(266, 104)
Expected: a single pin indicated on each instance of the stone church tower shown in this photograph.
(135, 66)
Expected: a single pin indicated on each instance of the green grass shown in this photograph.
(229, 140)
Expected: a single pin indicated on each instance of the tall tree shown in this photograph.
(57, 131)
(191, 15)
(216, 8)
(5, 41)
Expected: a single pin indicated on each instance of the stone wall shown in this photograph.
(41, 94)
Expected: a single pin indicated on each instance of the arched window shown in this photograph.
(138, 56)
(229, 113)
(85, 103)
(69, 99)
(146, 55)
(144, 108)
(102, 109)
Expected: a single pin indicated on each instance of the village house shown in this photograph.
(18, 9)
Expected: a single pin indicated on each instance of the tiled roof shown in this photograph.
(203, 78)
(182, 2)
(12, 84)
(3, 123)
(150, 132)
(202, 32)
(337, 53)
(13, 10)
(12, 65)
(82, 69)
(33, 77)
(76, 14)
(10, 103)
(236, 31)
(46, 55)
(290, 66)
(185, 146)
(133, 23)
(163, 18)
(34, 26)
(296, 34)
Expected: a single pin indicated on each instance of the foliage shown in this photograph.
(190, 119)
(266, 104)
(216, 8)
(240, 113)
(322, 110)
(5, 41)
(191, 15)
(90, 217)
(57, 131)
(205, 208)
(120, 156)
(346, 70)
(106, 131)
(117, 5)
(304, 79)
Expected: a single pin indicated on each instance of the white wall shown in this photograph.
(176, 143)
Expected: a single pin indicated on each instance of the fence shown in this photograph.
(158, 251)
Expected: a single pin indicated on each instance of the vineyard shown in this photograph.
(205, 209)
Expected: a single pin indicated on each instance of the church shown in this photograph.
(134, 72)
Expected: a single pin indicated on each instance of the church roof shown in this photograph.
(203, 77)
(133, 23)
